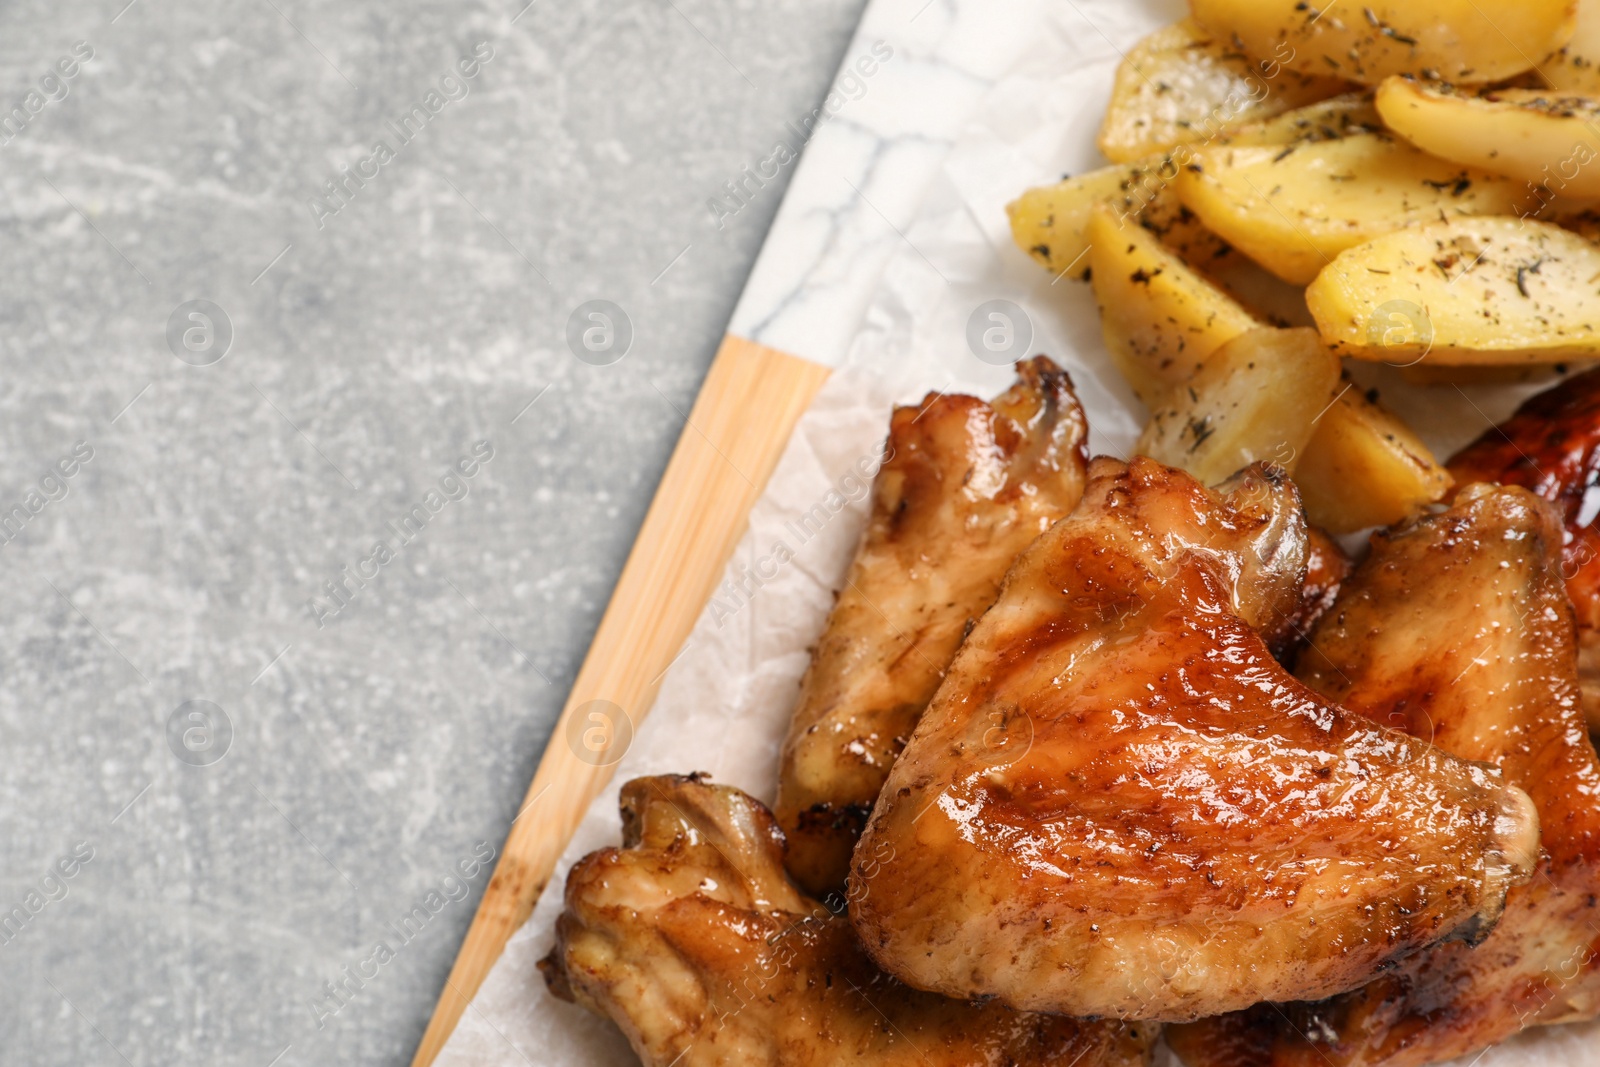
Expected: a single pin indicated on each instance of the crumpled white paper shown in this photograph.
(725, 703)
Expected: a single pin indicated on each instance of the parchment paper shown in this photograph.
(725, 702)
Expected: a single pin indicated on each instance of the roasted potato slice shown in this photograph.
(1294, 209)
(1327, 120)
(1181, 84)
(1576, 68)
(1051, 222)
(1466, 291)
(1254, 398)
(1543, 137)
(1364, 467)
(1452, 40)
(1161, 318)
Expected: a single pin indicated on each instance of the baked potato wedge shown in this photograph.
(1051, 222)
(1576, 68)
(1450, 40)
(1364, 467)
(1255, 398)
(1293, 209)
(1465, 291)
(1182, 84)
(1326, 120)
(1160, 317)
(1543, 137)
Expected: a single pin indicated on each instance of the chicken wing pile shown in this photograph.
(1110, 756)
(1271, 743)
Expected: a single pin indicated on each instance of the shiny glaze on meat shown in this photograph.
(1327, 566)
(1552, 446)
(692, 939)
(965, 487)
(1457, 629)
(1119, 804)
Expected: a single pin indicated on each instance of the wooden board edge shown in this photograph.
(740, 424)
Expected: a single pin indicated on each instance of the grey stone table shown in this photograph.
(284, 281)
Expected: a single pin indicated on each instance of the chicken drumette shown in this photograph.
(1552, 446)
(695, 942)
(964, 488)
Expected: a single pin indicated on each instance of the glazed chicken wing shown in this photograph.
(694, 941)
(1456, 629)
(965, 487)
(1552, 446)
(1119, 804)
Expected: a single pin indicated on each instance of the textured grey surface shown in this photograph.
(372, 758)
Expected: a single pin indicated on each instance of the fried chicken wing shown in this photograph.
(1552, 446)
(1119, 804)
(965, 487)
(1456, 629)
(694, 941)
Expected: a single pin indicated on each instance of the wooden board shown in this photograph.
(738, 428)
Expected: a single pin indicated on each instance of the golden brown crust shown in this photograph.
(695, 943)
(1552, 446)
(965, 486)
(1119, 803)
(1457, 629)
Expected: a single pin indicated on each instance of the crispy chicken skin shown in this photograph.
(965, 487)
(1552, 446)
(1327, 565)
(1456, 628)
(694, 941)
(1119, 804)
